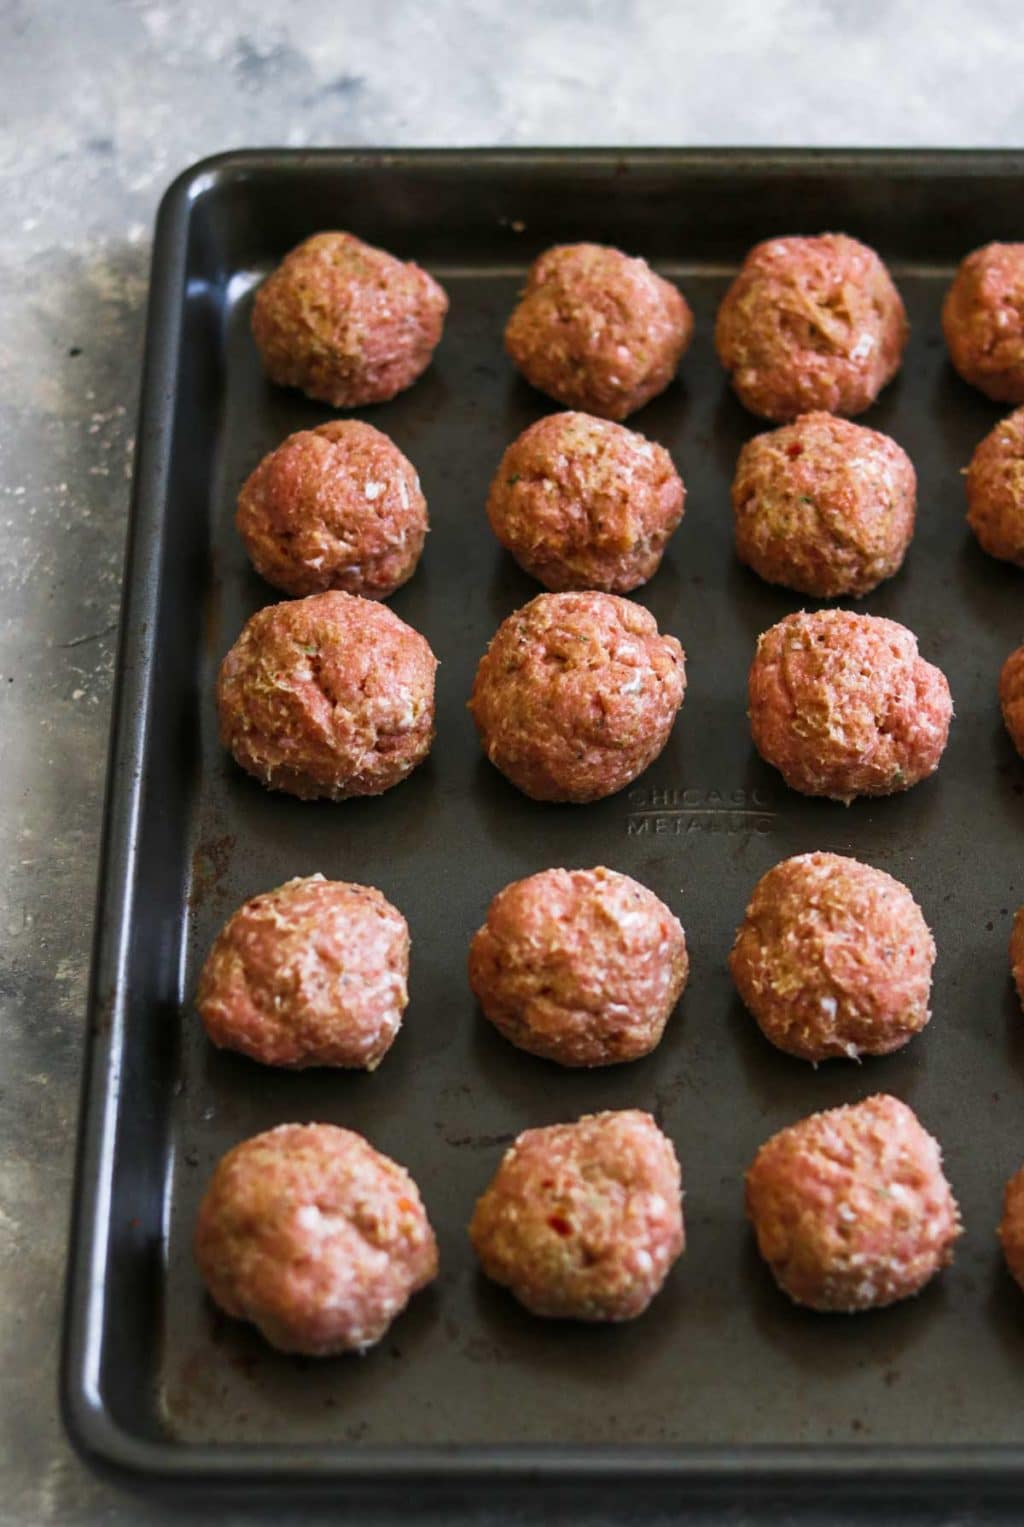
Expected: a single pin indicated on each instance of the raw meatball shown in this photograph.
(851, 1207)
(583, 503)
(811, 323)
(995, 490)
(824, 506)
(579, 966)
(598, 330)
(315, 1237)
(834, 958)
(346, 322)
(1011, 697)
(312, 974)
(327, 696)
(842, 705)
(983, 321)
(1011, 1226)
(337, 507)
(1017, 953)
(583, 1221)
(576, 695)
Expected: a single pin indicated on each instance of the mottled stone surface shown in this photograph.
(102, 103)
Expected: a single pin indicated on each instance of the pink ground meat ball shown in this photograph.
(809, 324)
(983, 321)
(598, 330)
(851, 1208)
(311, 974)
(582, 967)
(314, 1237)
(843, 705)
(824, 506)
(583, 1221)
(582, 503)
(338, 507)
(1011, 697)
(1011, 1226)
(576, 695)
(995, 491)
(834, 958)
(347, 323)
(330, 696)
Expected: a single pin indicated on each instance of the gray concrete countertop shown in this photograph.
(102, 104)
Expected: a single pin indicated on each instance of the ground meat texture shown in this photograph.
(811, 323)
(338, 507)
(598, 330)
(582, 967)
(1017, 953)
(1011, 1226)
(995, 491)
(582, 503)
(851, 1208)
(824, 506)
(330, 696)
(843, 705)
(583, 1221)
(1011, 697)
(983, 321)
(347, 323)
(576, 695)
(315, 1237)
(834, 958)
(312, 974)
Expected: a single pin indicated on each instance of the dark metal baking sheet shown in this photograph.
(722, 1382)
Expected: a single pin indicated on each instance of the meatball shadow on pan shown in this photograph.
(1005, 1307)
(986, 584)
(524, 405)
(970, 411)
(831, 1343)
(780, 1082)
(315, 1386)
(666, 415)
(760, 604)
(243, 1087)
(542, 834)
(1009, 772)
(1014, 1020)
(879, 829)
(545, 1092)
(664, 594)
(662, 418)
(733, 426)
(413, 413)
(509, 587)
(254, 591)
(292, 818)
(602, 1354)
(984, 581)
(884, 413)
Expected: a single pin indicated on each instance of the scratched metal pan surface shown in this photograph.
(723, 1381)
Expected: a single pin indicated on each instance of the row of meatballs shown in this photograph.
(581, 967)
(821, 506)
(808, 324)
(307, 1230)
(332, 696)
(320, 1240)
